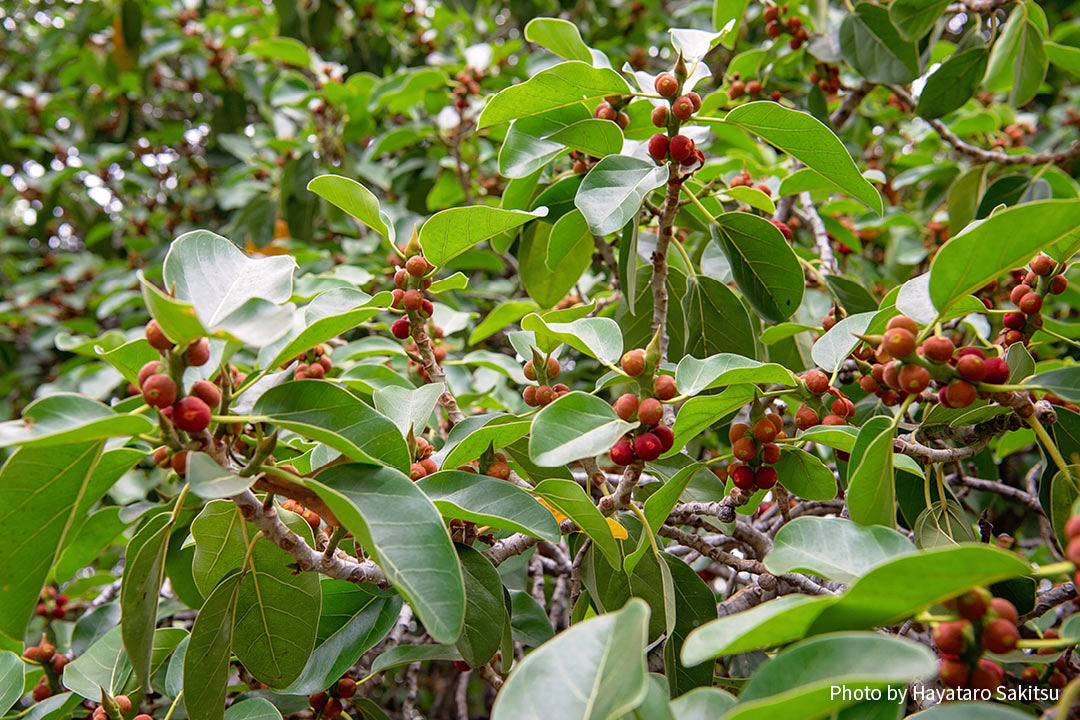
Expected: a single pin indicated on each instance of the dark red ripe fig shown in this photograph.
(626, 406)
(553, 368)
(987, 676)
(682, 108)
(737, 430)
(997, 371)
(764, 431)
(398, 295)
(207, 392)
(650, 412)
(622, 120)
(1018, 292)
(777, 421)
(971, 368)
(151, 368)
(1005, 609)
(774, 29)
(913, 378)
(891, 374)
(817, 382)
(1058, 284)
(737, 89)
(417, 472)
(1030, 674)
(1072, 551)
(952, 673)
(769, 13)
(499, 469)
(903, 321)
(658, 147)
(666, 435)
(937, 348)
(604, 111)
(743, 477)
(529, 396)
(41, 692)
(783, 227)
(869, 384)
(545, 395)
(806, 417)
(744, 448)
(529, 371)
(156, 337)
(949, 636)
(659, 118)
(1000, 636)
(191, 415)
(123, 703)
(430, 466)
(412, 299)
(973, 604)
(970, 351)
(1014, 320)
(666, 85)
(770, 453)
(1072, 527)
(695, 100)
(161, 456)
(666, 388)
(793, 24)
(417, 266)
(1030, 303)
(633, 362)
(833, 420)
(400, 328)
(765, 477)
(462, 665)
(621, 453)
(316, 370)
(333, 708)
(159, 391)
(754, 87)
(899, 342)
(1042, 265)
(197, 353)
(426, 308)
(959, 394)
(647, 446)
(346, 688)
(681, 148)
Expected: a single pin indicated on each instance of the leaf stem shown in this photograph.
(1059, 568)
(1051, 449)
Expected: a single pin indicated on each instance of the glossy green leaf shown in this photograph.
(808, 140)
(952, 84)
(489, 501)
(872, 45)
(564, 84)
(1063, 382)
(570, 237)
(1018, 60)
(449, 233)
(377, 505)
(575, 426)
(501, 316)
(177, 319)
(66, 418)
(1007, 239)
(833, 548)
(694, 375)
(528, 620)
(326, 412)
(600, 666)
(1065, 57)
(255, 708)
(12, 673)
(209, 480)
(591, 136)
(408, 408)
(775, 622)
(558, 36)
(805, 475)
(528, 149)
(611, 194)
(144, 572)
(832, 348)
(871, 492)
(286, 49)
(716, 320)
(698, 413)
(485, 608)
(600, 338)
(703, 703)
(206, 662)
(407, 654)
(915, 18)
(353, 198)
(762, 262)
(105, 664)
(694, 605)
(570, 499)
(475, 434)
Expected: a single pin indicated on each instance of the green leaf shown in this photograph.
(407, 654)
(966, 710)
(762, 262)
(698, 413)
(354, 619)
(105, 664)
(559, 36)
(833, 548)
(915, 18)
(65, 418)
(475, 434)
(218, 279)
(353, 198)
(547, 287)
(716, 320)
(600, 664)
(872, 45)
(528, 148)
(255, 708)
(591, 136)
(408, 408)
(775, 622)
(871, 493)
(206, 662)
(485, 608)
(285, 49)
(611, 194)
(832, 348)
(177, 319)
(377, 505)
(209, 480)
(728, 13)
(1018, 60)
(564, 84)
(953, 83)
(501, 316)
(753, 197)
(12, 674)
(805, 475)
(703, 703)
(1007, 239)
(40, 491)
(451, 232)
(326, 412)
(808, 140)
(1063, 382)
(489, 501)
(219, 544)
(575, 426)
(799, 681)
(570, 237)
(694, 605)
(694, 375)
(570, 499)
(457, 281)
(530, 623)
(1065, 57)
(600, 338)
(144, 572)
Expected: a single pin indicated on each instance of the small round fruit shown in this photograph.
(1042, 265)
(633, 362)
(1030, 674)
(151, 368)
(774, 29)
(417, 472)
(681, 148)
(913, 378)
(161, 456)
(695, 100)
(999, 636)
(429, 465)
(666, 435)
(1005, 609)
(949, 636)
(764, 431)
(997, 371)
(1058, 284)
(1014, 320)
(159, 391)
(659, 117)
(665, 387)
(682, 108)
(545, 395)
(777, 421)
(529, 396)
(400, 278)
(831, 419)
(658, 147)
(959, 394)
(817, 382)
(499, 469)
(973, 604)
(207, 392)
(737, 431)
(316, 371)
(765, 477)
(971, 368)
(417, 266)
(744, 449)
(333, 708)
(891, 374)
(770, 13)
(898, 342)
(604, 111)
(191, 415)
(903, 321)
(626, 407)
(412, 300)
(647, 446)
(1072, 527)
(743, 477)
(666, 85)
(124, 703)
(1018, 292)
(770, 453)
(1057, 680)
(553, 368)
(736, 89)
(1072, 551)
(806, 417)
(987, 676)
(937, 348)
(346, 688)
(156, 337)
(529, 371)
(197, 353)
(1030, 303)
(400, 329)
(622, 453)
(754, 87)
(952, 673)
(869, 384)
(650, 412)
(398, 295)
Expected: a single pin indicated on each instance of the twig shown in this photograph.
(625, 488)
(998, 488)
(1057, 595)
(461, 695)
(821, 235)
(434, 370)
(664, 233)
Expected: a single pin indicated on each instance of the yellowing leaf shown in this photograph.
(559, 517)
(617, 530)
